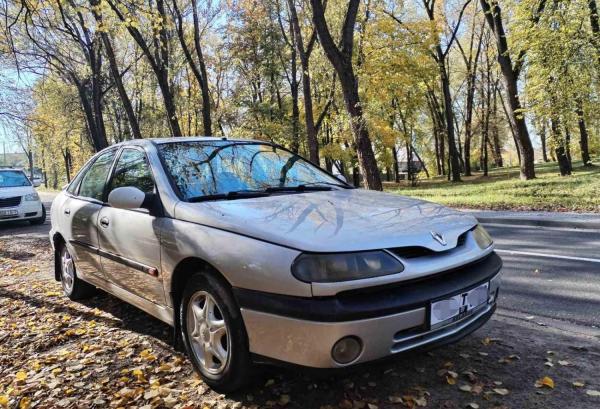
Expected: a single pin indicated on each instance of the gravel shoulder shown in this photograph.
(105, 353)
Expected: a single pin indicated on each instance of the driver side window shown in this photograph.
(133, 170)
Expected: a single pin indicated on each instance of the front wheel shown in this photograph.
(41, 219)
(73, 287)
(214, 334)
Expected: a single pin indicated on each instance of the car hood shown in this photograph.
(15, 191)
(333, 221)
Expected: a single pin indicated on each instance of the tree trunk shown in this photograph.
(199, 70)
(468, 123)
(117, 78)
(560, 151)
(494, 18)
(583, 136)
(97, 139)
(421, 161)
(304, 54)
(543, 139)
(341, 59)
(68, 163)
(396, 167)
(449, 117)
(294, 85)
(30, 161)
(496, 132)
(568, 144)
(158, 60)
(206, 104)
(409, 169)
(595, 23)
(127, 105)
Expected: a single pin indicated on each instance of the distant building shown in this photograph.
(415, 166)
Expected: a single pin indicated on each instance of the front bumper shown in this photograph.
(25, 211)
(387, 321)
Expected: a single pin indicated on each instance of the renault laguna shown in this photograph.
(254, 254)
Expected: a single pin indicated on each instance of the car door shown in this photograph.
(80, 212)
(130, 238)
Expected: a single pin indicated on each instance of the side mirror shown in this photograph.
(37, 183)
(342, 178)
(127, 197)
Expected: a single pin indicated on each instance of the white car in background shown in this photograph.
(18, 198)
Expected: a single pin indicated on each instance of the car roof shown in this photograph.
(159, 141)
(13, 169)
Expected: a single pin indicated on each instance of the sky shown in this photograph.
(9, 76)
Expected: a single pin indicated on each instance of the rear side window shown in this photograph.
(132, 169)
(74, 185)
(92, 184)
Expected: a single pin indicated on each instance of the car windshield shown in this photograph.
(13, 178)
(220, 167)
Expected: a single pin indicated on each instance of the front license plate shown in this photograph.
(8, 213)
(458, 307)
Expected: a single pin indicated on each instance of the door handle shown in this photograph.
(104, 222)
(67, 211)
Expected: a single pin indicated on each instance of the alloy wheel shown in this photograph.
(67, 271)
(207, 333)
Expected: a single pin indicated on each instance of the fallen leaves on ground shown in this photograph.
(546, 381)
(103, 353)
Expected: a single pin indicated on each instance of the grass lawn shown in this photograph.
(503, 190)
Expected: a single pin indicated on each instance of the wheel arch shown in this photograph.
(182, 273)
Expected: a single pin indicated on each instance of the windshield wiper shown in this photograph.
(299, 188)
(330, 184)
(236, 194)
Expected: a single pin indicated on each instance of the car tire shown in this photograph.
(73, 287)
(41, 219)
(214, 334)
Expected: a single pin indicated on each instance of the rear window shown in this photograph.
(13, 178)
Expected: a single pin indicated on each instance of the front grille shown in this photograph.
(417, 251)
(10, 201)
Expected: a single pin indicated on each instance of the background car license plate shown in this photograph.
(7, 213)
(459, 306)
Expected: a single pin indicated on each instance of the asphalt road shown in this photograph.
(551, 275)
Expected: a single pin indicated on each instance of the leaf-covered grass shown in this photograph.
(503, 190)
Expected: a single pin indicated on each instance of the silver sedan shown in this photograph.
(254, 254)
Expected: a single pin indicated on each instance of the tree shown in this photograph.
(158, 56)
(511, 72)
(341, 59)
(198, 68)
(96, 8)
(440, 56)
(471, 59)
(304, 52)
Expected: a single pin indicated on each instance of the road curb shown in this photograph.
(535, 222)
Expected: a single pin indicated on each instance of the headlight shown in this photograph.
(327, 268)
(482, 237)
(32, 197)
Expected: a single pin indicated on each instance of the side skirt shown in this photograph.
(163, 313)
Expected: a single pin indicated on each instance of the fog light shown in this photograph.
(346, 350)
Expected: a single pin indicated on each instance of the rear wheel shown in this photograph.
(73, 287)
(214, 334)
(41, 219)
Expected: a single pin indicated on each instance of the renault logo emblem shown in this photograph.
(439, 238)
